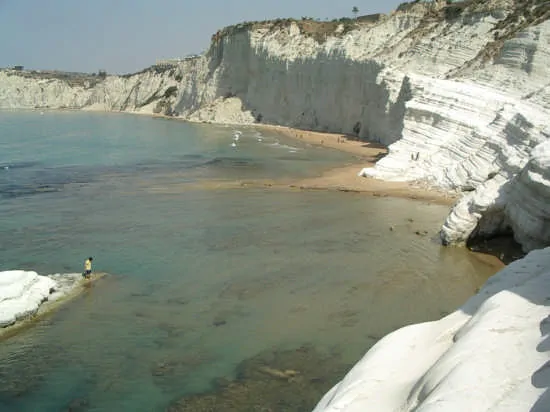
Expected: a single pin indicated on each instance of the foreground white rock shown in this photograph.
(23, 292)
(491, 354)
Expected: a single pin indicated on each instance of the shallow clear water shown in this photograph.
(200, 278)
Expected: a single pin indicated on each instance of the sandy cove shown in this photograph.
(343, 179)
(346, 178)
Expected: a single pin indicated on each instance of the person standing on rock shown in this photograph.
(88, 268)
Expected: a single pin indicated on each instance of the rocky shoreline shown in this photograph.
(26, 296)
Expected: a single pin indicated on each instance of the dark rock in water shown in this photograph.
(163, 368)
(170, 329)
(219, 322)
(504, 247)
(290, 381)
(221, 382)
(78, 405)
(140, 294)
(140, 314)
(178, 301)
(316, 379)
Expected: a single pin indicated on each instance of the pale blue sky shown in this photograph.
(123, 36)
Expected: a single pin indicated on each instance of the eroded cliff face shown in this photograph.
(461, 95)
(148, 92)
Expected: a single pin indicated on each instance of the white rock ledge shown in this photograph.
(22, 294)
(491, 354)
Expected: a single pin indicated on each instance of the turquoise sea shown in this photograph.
(219, 297)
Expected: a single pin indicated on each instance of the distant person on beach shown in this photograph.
(88, 268)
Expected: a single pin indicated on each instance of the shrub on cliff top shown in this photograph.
(454, 10)
(407, 5)
(318, 30)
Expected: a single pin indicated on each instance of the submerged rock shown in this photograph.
(289, 380)
(78, 405)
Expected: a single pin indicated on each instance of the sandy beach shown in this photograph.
(365, 150)
(345, 178)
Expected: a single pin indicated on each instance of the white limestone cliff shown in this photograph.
(139, 93)
(460, 94)
(489, 355)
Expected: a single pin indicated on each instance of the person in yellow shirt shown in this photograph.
(88, 268)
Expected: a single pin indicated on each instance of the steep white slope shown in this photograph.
(491, 354)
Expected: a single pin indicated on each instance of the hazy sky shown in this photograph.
(123, 36)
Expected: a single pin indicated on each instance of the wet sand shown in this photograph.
(366, 150)
(343, 179)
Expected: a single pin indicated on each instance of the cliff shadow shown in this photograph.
(541, 378)
(493, 234)
(528, 279)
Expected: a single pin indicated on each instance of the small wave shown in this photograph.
(284, 146)
(192, 156)
(229, 163)
(13, 191)
(18, 165)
